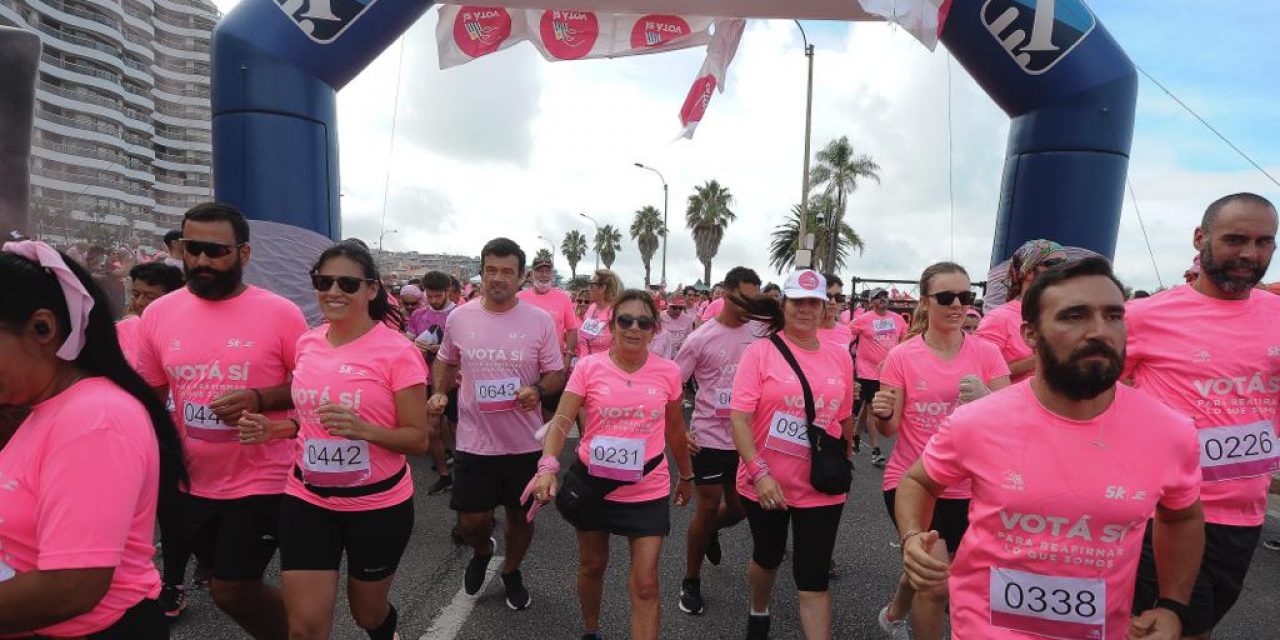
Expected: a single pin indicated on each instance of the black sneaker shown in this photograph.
(1273, 545)
(476, 567)
(691, 596)
(173, 599)
(758, 627)
(595, 635)
(444, 483)
(857, 444)
(877, 458)
(517, 596)
(201, 576)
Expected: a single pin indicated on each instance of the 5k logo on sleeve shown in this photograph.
(324, 20)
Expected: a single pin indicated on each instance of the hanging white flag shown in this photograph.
(711, 77)
(921, 18)
(465, 33)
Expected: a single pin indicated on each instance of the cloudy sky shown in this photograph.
(513, 145)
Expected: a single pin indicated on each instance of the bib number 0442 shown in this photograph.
(335, 463)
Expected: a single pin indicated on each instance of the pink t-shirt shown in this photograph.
(931, 389)
(202, 349)
(626, 418)
(766, 387)
(1003, 328)
(1058, 512)
(80, 493)
(711, 355)
(363, 375)
(712, 310)
(594, 335)
(1217, 362)
(557, 304)
(127, 334)
(676, 330)
(840, 335)
(498, 353)
(876, 335)
(430, 321)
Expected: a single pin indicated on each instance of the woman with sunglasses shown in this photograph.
(922, 381)
(359, 389)
(632, 405)
(86, 449)
(593, 335)
(831, 329)
(767, 418)
(1002, 326)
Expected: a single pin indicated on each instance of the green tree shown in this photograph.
(839, 170)
(786, 238)
(573, 247)
(707, 216)
(608, 243)
(646, 230)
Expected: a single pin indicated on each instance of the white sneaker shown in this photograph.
(898, 629)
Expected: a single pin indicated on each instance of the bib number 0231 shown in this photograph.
(335, 463)
(1051, 606)
(617, 458)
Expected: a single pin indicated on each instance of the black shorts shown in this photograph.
(813, 533)
(630, 519)
(143, 621)
(715, 466)
(483, 483)
(235, 538)
(950, 518)
(1228, 551)
(313, 538)
(551, 401)
(451, 409)
(868, 390)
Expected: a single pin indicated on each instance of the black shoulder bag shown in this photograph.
(831, 472)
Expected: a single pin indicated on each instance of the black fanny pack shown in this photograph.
(581, 493)
(830, 471)
(359, 491)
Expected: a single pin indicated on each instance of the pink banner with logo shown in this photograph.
(724, 46)
(467, 32)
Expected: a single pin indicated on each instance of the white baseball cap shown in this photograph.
(805, 283)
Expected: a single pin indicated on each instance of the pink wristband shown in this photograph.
(757, 468)
(548, 464)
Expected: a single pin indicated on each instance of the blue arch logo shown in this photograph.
(324, 20)
(1038, 34)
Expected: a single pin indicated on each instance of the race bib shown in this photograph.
(1051, 606)
(1238, 451)
(335, 463)
(496, 395)
(617, 458)
(6, 572)
(203, 424)
(722, 399)
(883, 325)
(788, 434)
(592, 327)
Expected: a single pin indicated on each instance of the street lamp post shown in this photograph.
(804, 253)
(597, 226)
(383, 234)
(666, 231)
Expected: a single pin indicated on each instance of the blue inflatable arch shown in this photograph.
(1049, 64)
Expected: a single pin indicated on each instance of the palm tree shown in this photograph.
(646, 229)
(707, 217)
(840, 168)
(607, 245)
(573, 247)
(782, 250)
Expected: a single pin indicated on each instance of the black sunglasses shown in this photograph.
(1052, 262)
(645, 323)
(348, 284)
(839, 297)
(582, 302)
(211, 249)
(677, 307)
(946, 298)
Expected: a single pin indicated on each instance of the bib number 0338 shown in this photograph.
(1051, 606)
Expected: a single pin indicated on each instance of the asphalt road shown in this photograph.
(427, 587)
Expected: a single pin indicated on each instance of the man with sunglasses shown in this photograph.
(509, 356)
(222, 348)
(1003, 325)
(674, 327)
(543, 294)
(874, 334)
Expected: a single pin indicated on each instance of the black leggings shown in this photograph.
(814, 539)
(144, 621)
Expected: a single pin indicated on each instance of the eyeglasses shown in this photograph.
(212, 249)
(947, 298)
(645, 323)
(348, 284)
(1052, 262)
(839, 297)
(676, 307)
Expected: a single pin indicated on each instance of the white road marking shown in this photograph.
(449, 622)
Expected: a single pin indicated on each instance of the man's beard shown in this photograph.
(1218, 272)
(542, 286)
(217, 287)
(1080, 381)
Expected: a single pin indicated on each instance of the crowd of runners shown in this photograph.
(1071, 464)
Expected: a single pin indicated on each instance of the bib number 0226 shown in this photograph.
(1052, 606)
(1238, 451)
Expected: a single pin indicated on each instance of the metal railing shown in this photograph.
(81, 96)
(84, 124)
(80, 68)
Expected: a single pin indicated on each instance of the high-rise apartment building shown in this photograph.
(121, 146)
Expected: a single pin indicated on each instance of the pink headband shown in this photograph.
(79, 302)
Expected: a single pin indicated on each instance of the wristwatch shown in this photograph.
(1179, 609)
